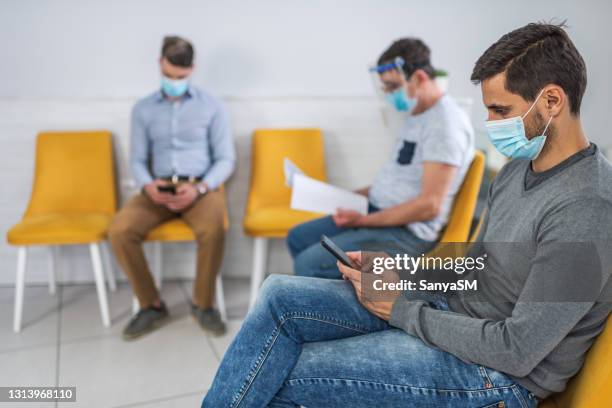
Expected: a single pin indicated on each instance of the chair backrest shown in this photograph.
(74, 173)
(592, 386)
(460, 219)
(304, 147)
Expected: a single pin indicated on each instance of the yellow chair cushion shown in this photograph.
(275, 222)
(173, 230)
(57, 229)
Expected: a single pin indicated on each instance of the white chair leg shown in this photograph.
(108, 267)
(100, 286)
(157, 264)
(259, 267)
(52, 267)
(22, 255)
(220, 295)
(135, 305)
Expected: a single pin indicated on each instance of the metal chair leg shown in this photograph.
(260, 258)
(100, 286)
(22, 256)
(52, 268)
(220, 295)
(157, 264)
(108, 267)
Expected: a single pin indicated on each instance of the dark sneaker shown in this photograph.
(209, 320)
(145, 321)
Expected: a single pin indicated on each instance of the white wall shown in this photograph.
(69, 64)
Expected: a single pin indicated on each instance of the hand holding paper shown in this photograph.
(316, 196)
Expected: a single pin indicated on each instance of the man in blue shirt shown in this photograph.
(181, 152)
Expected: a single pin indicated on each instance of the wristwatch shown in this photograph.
(202, 189)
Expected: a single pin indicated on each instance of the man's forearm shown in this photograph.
(141, 174)
(219, 173)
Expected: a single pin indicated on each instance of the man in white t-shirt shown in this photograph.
(412, 195)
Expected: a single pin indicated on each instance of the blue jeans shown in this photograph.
(309, 342)
(311, 259)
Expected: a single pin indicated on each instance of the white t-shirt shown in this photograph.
(441, 134)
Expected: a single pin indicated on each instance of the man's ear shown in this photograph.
(555, 99)
(420, 77)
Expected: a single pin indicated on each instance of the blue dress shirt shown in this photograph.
(190, 137)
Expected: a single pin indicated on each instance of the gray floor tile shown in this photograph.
(107, 371)
(81, 313)
(39, 322)
(190, 400)
(28, 367)
(236, 295)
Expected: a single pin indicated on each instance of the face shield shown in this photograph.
(390, 84)
(388, 78)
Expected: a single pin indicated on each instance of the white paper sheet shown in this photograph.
(290, 170)
(313, 195)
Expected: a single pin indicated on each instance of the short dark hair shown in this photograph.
(414, 52)
(532, 57)
(178, 51)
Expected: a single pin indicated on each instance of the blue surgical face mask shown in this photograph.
(400, 100)
(509, 138)
(174, 87)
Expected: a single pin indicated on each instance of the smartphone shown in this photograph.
(336, 252)
(168, 188)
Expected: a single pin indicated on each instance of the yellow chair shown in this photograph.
(456, 236)
(592, 386)
(72, 202)
(177, 230)
(460, 219)
(267, 212)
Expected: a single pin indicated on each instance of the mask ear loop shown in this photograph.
(547, 125)
(533, 104)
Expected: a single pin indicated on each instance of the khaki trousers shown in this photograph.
(140, 215)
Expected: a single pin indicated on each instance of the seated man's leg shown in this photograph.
(126, 233)
(392, 369)
(205, 218)
(308, 233)
(316, 261)
(289, 312)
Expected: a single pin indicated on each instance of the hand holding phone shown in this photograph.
(167, 188)
(338, 253)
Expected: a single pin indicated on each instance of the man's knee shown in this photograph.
(276, 291)
(121, 231)
(212, 231)
(304, 264)
(315, 262)
(295, 240)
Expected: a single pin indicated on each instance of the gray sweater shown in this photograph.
(544, 294)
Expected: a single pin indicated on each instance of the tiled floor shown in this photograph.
(64, 343)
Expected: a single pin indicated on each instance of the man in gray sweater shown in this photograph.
(542, 296)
